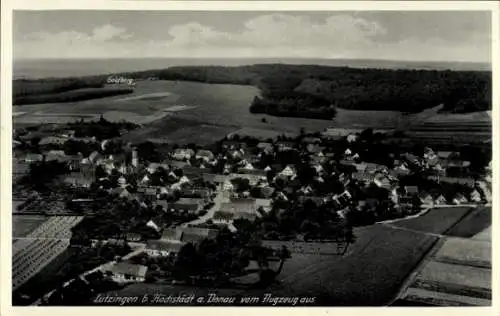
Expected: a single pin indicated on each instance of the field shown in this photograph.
(458, 270)
(224, 108)
(474, 223)
(473, 252)
(73, 95)
(436, 221)
(22, 225)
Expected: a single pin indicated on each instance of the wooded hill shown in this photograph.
(315, 91)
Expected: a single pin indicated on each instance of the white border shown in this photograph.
(6, 134)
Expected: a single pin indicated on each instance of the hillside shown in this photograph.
(307, 88)
(315, 91)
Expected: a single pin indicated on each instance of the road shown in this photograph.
(210, 213)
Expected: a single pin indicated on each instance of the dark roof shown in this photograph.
(136, 270)
(172, 234)
(208, 177)
(194, 193)
(239, 207)
(162, 245)
(190, 170)
(411, 189)
(223, 215)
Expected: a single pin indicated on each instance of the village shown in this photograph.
(156, 200)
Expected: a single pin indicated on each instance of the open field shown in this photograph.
(485, 235)
(369, 274)
(147, 96)
(474, 223)
(22, 225)
(458, 270)
(436, 221)
(465, 251)
(228, 105)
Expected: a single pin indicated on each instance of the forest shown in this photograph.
(306, 90)
(315, 91)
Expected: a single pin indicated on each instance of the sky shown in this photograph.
(389, 35)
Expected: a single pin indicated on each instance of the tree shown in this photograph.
(284, 254)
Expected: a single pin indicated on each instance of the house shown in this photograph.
(444, 154)
(188, 234)
(209, 178)
(373, 167)
(258, 172)
(172, 234)
(205, 155)
(346, 163)
(196, 234)
(195, 193)
(134, 237)
(411, 190)
(233, 144)
(289, 171)
(361, 167)
(77, 179)
(316, 200)
(161, 203)
(191, 171)
(150, 193)
(95, 157)
(189, 205)
(181, 154)
(382, 181)
(163, 248)
(252, 178)
(236, 206)
(440, 200)
(315, 148)
(460, 199)
(29, 158)
(426, 199)
(266, 191)
(52, 140)
(123, 272)
(266, 147)
(284, 145)
(351, 138)
(467, 181)
(311, 140)
(121, 192)
(264, 203)
(227, 218)
(55, 155)
(174, 164)
(154, 166)
(362, 177)
(153, 225)
(475, 196)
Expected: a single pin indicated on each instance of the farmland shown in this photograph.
(474, 223)
(457, 271)
(22, 225)
(223, 108)
(436, 221)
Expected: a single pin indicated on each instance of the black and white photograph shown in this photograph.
(277, 158)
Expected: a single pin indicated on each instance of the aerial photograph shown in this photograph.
(251, 158)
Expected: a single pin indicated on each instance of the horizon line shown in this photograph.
(236, 58)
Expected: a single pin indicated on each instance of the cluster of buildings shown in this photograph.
(239, 180)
